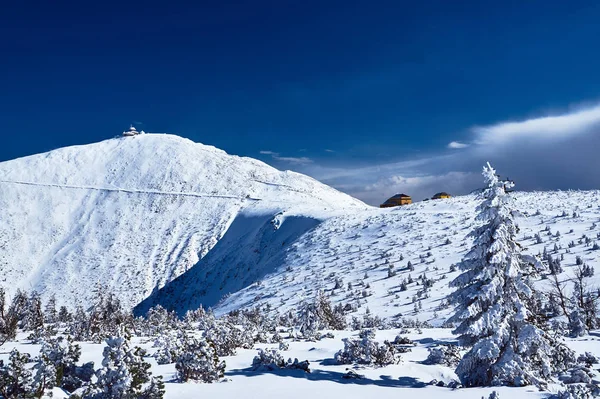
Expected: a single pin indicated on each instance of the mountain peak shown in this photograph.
(132, 213)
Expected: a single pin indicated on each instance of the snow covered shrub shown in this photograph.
(403, 344)
(158, 319)
(368, 321)
(268, 359)
(41, 334)
(576, 392)
(271, 359)
(124, 374)
(577, 374)
(319, 315)
(588, 359)
(169, 346)
(61, 354)
(577, 327)
(493, 395)
(199, 361)
(297, 365)
(493, 298)
(16, 379)
(283, 346)
(400, 340)
(367, 351)
(367, 333)
(447, 355)
(587, 271)
(9, 317)
(227, 337)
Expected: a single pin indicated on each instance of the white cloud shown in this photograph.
(328, 150)
(418, 187)
(545, 153)
(547, 127)
(294, 160)
(269, 153)
(457, 145)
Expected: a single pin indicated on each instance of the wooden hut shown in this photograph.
(397, 200)
(441, 195)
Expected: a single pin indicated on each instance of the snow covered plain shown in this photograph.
(157, 219)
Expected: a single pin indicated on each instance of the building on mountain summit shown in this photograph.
(397, 200)
(441, 195)
(131, 132)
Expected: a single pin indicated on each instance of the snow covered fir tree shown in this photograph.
(495, 296)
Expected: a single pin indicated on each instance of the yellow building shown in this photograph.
(441, 195)
(397, 200)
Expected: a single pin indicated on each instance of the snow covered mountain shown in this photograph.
(131, 214)
(158, 219)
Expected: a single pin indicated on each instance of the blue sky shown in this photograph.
(364, 95)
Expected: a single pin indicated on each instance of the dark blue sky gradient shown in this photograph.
(375, 81)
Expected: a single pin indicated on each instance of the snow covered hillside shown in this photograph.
(131, 214)
(369, 258)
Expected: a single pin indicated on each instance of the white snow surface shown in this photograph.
(131, 214)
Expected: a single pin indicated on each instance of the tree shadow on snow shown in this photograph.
(333, 376)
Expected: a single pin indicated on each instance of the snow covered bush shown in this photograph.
(271, 359)
(447, 355)
(16, 378)
(368, 321)
(367, 351)
(61, 355)
(577, 326)
(284, 346)
(124, 374)
(158, 319)
(227, 338)
(268, 359)
(319, 315)
(576, 391)
(588, 359)
(493, 299)
(169, 346)
(403, 344)
(577, 374)
(199, 361)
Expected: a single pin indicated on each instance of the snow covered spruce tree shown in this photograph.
(493, 298)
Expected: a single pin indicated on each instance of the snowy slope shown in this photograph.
(131, 214)
(358, 249)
